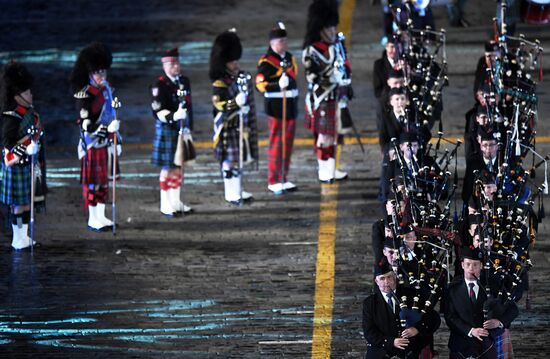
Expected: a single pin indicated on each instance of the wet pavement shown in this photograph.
(224, 281)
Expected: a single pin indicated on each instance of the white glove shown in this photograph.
(32, 148)
(240, 99)
(283, 81)
(113, 126)
(180, 114)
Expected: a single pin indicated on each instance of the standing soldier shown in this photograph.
(21, 139)
(172, 109)
(233, 100)
(98, 126)
(328, 74)
(276, 79)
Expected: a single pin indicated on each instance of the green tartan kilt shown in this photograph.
(15, 188)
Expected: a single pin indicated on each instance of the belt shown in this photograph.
(288, 93)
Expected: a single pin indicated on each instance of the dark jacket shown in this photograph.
(461, 316)
(164, 97)
(380, 73)
(381, 326)
(270, 69)
(474, 163)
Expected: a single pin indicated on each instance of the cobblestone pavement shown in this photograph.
(223, 282)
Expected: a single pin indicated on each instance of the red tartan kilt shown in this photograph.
(323, 120)
(94, 167)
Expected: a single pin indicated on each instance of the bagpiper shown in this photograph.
(276, 80)
(98, 126)
(21, 140)
(328, 73)
(173, 112)
(233, 100)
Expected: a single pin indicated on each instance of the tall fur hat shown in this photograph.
(93, 57)
(15, 79)
(226, 48)
(321, 14)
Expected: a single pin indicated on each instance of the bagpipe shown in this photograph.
(345, 125)
(245, 153)
(34, 130)
(424, 277)
(424, 57)
(185, 149)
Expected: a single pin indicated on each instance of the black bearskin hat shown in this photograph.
(15, 79)
(226, 48)
(93, 57)
(321, 14)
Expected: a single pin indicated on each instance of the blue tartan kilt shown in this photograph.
(15, 188)
(165, 144)
(227, 148)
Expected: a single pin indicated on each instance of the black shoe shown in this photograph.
(102, 229)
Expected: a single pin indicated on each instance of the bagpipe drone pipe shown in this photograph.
(422, 53)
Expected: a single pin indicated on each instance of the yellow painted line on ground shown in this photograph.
(309, 142)
(346, 16)
(324, 277)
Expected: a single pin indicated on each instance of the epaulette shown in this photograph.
(219, 83)
(82, 93)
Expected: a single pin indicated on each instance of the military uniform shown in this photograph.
(232, 99)
(94, 103)
(328, 73)
(172, 109)
(21, 139)
(271, 68)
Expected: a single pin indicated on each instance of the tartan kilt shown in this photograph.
(322, 120)
(94, 167)
(164, 145)
(227, 148)
(15, 188)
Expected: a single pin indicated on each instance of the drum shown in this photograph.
(535, 11)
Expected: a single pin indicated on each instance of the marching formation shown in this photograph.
(470, 257)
